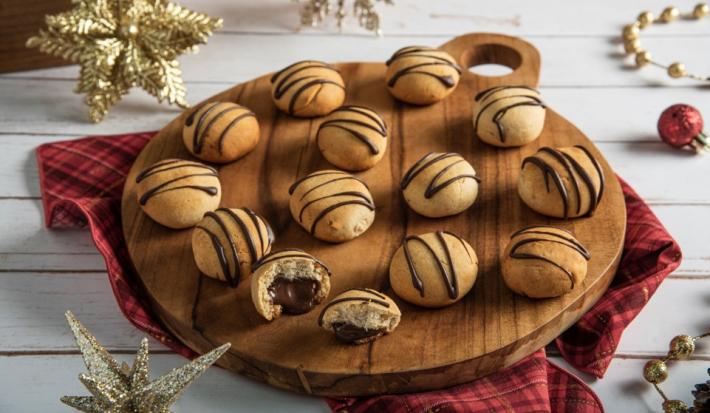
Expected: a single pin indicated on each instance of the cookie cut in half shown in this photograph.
(360, 315)
(289, 281)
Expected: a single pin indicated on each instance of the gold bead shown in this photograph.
(655, 371)
(631, 31)
(644, 19)
(701, 10)
(675, 406)
(643, 58)
(669, 14)
(632, 46)
(682, 347)
(676, 70)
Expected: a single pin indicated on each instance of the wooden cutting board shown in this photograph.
(491, 328)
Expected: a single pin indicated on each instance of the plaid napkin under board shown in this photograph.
(82, 180)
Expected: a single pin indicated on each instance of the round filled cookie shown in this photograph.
(289, 281)
(177, 193)
(308, 89)
(360, 315)
(353, 138)
(440, 184)
(562, 183)
(508, 116)
(332, 205)
(421, 75)
(220, 132)
(544, 261)
(228, 241)
(434, 269)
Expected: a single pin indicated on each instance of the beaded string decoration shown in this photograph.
(656, 371)
(632, 42)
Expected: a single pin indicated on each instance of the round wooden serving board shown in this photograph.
(491, 328)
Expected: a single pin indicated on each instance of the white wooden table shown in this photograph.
(584, 77)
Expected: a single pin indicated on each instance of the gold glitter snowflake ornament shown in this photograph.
(119, 389)
(124, 43)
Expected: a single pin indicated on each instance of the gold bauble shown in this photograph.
(676, 70)
(669, 14)
(643, 58)
(675, 406)
(631, 31)
(682, 346)
(701, 10)
(632, 46)
(644, 19)
(655, 371)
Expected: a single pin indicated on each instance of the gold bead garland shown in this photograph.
(656, 371)
(632, 42)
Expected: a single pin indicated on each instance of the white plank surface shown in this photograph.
(567, 60)
(32, 384)
(584, 77)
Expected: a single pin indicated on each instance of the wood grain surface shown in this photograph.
(19, 20)
(491, 328)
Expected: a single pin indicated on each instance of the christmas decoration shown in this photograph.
(314, 12)
(702, 398)
(124, 43)
(656, 371)
(119, 389)
(632, 43)
(681, 125)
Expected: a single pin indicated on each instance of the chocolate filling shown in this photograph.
(350, 333)
(296, 296)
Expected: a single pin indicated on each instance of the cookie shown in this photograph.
(177, 193)
(332, 205)
(228, 241)
(307, 89)
(289, 281)
(434, 269)
(360, 315)
(508, 116)
(220, 132)
(353, 138)
(543, 261)
(440, 184)
(421, 75)
(562, 183)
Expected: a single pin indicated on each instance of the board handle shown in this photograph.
(473, 49)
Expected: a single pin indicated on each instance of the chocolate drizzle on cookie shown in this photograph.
(369, 120)
(288, 253)
(434, 185)
(173, 164)
(351, 197)
(289, 77)
(535, 233)
(487, 99)
(574, 171)
(233, 275)
(419, 68)
(378, 299)
(200, 133)
(447, 275)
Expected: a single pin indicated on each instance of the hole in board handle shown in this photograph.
(491, 60)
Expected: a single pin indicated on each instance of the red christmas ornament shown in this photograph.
(681, 125)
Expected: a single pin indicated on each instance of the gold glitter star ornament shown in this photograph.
(119, 389)
(124, 43)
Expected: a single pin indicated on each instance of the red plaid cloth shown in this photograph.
(82, 181)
